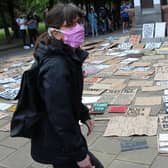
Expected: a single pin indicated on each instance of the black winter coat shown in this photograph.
(59, 139)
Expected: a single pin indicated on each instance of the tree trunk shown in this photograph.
(51, 3)
(4, 22)
(10, 5)
(11, 10)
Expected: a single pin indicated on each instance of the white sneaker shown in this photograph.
(26, 47)
(31, 45)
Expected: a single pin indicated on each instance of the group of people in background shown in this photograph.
(99, 21)
(30, 24)
(105, 19)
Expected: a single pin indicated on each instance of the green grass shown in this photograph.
(2, 35)
(41, 27)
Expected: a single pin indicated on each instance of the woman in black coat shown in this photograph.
(59, 140)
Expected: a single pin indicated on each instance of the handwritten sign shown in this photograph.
(148, 30)
(100, 107)
(160, 29)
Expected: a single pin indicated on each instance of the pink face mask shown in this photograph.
(74, 36)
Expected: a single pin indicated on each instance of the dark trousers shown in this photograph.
(23, 35)
(32, 35)
(95, 162)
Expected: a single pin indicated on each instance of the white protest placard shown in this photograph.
(160, 29)
(156, 2)
(137, 3)
(148, 30)
(5, 106)
(93, 99)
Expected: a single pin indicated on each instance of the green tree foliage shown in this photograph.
(10, 9)
(3, 19)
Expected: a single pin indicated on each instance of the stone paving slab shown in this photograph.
(100, 128)
(92, 138)
(3, 135)
(38, 165)
(144, 156)
(106, 145)
(160, 162)
(123, 164)
(105, 159)
(5, 151)
(3, 122)
(14, 142)
(19, 159)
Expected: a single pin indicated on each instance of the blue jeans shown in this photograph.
(94, 28)
(104, 27)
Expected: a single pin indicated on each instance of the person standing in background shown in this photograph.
(92, 16)
(36, 17)
(32, 29)
(109, 19)
(115, 17)
(103, 19)
(86, 21)
(22, 27)
(124, 16)
(15, 29)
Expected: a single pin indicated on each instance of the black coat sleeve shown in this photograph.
(58, 101)
(84, 114)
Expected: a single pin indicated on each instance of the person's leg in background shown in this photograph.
(127, 24)
(92, 29)
(86, 27)
(23, 35)
(30, 31)
(96, 28)
(105, 25)
(34, 36)
(123, 25)
(102, 26)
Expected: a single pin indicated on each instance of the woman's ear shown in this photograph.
(57, 35)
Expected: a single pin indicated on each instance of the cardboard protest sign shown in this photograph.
(99, 108)
(117, 109)
(127, 126)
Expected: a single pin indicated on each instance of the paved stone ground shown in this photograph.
(15, 152)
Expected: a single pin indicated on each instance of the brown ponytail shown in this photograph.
(42, 38)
